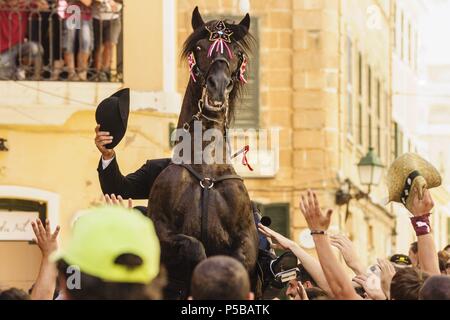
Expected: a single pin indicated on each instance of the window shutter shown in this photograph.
(279, 214)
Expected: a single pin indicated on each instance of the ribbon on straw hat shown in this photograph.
(410, 174)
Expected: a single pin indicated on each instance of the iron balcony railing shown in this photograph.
(61, 40)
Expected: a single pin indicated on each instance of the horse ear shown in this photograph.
(197, 20)
(245, 22)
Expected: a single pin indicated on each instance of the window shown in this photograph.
(360, 100)
(416, 51)
(360, 75)
(370, 238)
(349, 86)
(387, 108)
(279, 214)
(398, 141)
(369, 87)
(379, 141)
(360, 125)
(410, 45)
(379, 100)
(394, 13)
(402, 37)
(369, 105)
(247, 116)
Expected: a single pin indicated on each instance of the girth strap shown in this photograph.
(207, 184)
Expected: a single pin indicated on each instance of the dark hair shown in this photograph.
(436, 288)
(315, 293)
(414, 247)
(442, 264)
(407, 283)
(447, 247)
(94, 288)
(305, 276)
(14, 294)
(220, 278)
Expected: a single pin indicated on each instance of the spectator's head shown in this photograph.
(447, 248)
(220, 278)
(443, 266)
(304, 278)
(400, 261)
(413, 254)
(14, 294)
(436, 288)
(407, 283)
(113, 253)
(444, 259)
(291, 291)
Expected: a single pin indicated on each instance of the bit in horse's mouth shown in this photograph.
(214, 106)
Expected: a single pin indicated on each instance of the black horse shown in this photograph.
(204, 209)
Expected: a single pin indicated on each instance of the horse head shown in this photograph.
(217, 52)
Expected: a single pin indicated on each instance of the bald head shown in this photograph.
(220, 278)
(436, 288)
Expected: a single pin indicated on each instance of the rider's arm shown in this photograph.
(136, 185)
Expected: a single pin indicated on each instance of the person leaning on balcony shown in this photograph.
(107, 28)
(86, 38)
(14, 16)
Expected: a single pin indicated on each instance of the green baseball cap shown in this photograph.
(101, 235)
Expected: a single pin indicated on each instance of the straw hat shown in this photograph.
(408, 174)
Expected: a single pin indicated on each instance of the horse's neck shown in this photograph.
(190, 103)
(189, 108)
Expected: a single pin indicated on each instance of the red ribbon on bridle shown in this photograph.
(243, 69)
(244, 150)
(192, 63)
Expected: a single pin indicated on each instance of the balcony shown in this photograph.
(60, 42)
(47, 88)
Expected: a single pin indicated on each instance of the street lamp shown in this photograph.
(370, 169)
(370, 172)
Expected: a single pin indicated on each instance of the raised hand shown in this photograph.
(103, 138)
(422, 206)
(316, 219)
(279, 241)
(387, 273)
(348, 252)
(45, 239)
(371, 285)
(301, 292)
(118, 201)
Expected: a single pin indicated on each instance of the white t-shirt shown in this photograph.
(103, 10)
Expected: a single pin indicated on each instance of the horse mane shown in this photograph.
(241, 36)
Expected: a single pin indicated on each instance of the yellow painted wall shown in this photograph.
(143, 49)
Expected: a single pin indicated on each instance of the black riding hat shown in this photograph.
(112, 115)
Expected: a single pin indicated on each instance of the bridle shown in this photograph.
(220, 36)
(198, 74)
